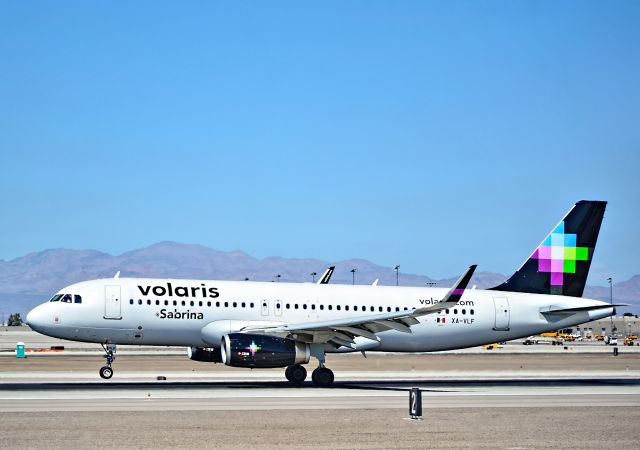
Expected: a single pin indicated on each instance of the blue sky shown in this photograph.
(427, 134)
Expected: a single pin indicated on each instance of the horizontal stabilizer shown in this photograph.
(559, 310)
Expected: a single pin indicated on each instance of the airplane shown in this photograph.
(268, 325)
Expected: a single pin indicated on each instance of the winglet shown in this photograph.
(326, 276)
(452, 297)
(454, 294)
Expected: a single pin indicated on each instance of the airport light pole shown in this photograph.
(313, 276)
(613, 330)
(353, 275)
(396, 269)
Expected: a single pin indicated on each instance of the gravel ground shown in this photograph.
(522, 428)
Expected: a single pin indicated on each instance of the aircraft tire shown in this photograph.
(322, 377)
(106, 372)
(297, 374)
(287, 373)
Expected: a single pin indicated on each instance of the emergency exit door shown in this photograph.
(112, 302)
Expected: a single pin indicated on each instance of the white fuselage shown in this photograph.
(174, 312)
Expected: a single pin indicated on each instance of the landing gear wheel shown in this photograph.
(296, 374)
(322, 377)
(106, 372)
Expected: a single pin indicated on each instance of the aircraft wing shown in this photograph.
(342, 332)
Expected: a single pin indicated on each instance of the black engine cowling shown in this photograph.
(205, 354)
(253, 350)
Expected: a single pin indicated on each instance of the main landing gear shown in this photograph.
(106, 371)
(321, 376)
(296, 374)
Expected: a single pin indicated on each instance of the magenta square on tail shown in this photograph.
(544, 265)
(557, 279)
(557, 265)
(544, 252)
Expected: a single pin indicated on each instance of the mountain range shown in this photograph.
(31, 279)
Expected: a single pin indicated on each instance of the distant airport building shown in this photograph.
(625, 326)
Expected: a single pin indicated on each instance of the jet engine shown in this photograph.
(258, 351)
(205, 354)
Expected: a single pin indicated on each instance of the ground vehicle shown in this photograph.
(633, 337)
(492, 346)
(569, 338)
(599, 337)
(628, 342)
(550, 334)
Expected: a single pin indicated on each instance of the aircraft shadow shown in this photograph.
(388, 385)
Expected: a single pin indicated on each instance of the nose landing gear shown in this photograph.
(106, 371)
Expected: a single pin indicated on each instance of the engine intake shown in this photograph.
(258, 351)
(205, 354)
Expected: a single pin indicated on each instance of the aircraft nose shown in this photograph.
(34, 318)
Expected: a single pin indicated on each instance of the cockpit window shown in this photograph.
(55, 298)
(77, 299)
(66, 298)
